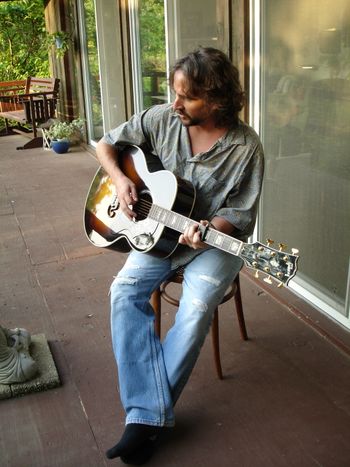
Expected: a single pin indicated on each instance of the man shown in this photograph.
(201, 139)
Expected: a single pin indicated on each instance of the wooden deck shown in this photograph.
(285, 399)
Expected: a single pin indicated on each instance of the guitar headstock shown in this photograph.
(278, 264)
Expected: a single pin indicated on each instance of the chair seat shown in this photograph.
(234, 291)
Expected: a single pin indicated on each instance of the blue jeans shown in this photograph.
(151, 373)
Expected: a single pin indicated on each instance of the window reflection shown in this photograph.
(306, 106)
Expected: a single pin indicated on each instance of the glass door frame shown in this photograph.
(135, 55)
(85, 68)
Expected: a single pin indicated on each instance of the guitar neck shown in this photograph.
(179, 223)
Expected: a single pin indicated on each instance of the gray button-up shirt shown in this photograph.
(227, 177)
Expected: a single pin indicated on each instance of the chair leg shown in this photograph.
(216, 344)
(239, 310)
(155, 302)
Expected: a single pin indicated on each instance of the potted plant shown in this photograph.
(61, 134)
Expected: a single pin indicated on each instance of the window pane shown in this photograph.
(197, 23)
(152, 52)
(305, 130)
(93, 78)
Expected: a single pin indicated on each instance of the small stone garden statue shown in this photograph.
(16, 364)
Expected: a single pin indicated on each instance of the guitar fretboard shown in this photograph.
(179, 223)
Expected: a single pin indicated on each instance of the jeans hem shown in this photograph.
(143, 421)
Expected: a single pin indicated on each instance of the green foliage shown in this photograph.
(61, 41)
(23, 44)
(152, 34)
(93, 65)
(153, 55)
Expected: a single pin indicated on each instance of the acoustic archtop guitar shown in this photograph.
(163, 211)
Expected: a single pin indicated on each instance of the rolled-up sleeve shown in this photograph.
(130, 131)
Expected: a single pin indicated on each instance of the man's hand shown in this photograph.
(127, 195)
(126, 190)
(192, 237)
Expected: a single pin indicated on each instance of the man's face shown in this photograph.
(192, 110)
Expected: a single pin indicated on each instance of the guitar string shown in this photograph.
(144, 210)
(214, 237)
(224, 242)
(145, 207)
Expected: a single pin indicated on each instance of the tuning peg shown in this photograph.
(268, 280)
(295, 251)
(270, 242)
(280, 285)
(256, 275)
(281, 246)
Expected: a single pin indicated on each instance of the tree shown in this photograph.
(23, 40)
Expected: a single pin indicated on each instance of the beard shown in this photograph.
(187, 120)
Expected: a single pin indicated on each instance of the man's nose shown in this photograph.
(177, 104)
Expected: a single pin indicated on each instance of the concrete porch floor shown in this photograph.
(285, 399)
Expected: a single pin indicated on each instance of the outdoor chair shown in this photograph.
(234, 291)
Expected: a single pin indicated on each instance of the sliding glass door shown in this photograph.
(305, 104)
(103, 65)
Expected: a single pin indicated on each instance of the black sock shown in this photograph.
(133, 437)
(142, 454)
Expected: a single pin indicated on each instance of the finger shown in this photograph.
(126, 208)
(190, 231)
(133, 194)
(197, 241)
(185, 239)
(204, 222)
(182, 240)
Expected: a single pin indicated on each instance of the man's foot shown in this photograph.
(141, 455)
(134, 436)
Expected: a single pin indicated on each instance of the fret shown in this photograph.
(154, 212)
(169, 218)
(219, 240)
(224, 242)
(235, 246)
(227, 242)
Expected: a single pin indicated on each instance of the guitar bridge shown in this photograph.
(144, 240)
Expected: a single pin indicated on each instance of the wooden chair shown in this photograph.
(31, 102)
(234, 291)
(11, 88)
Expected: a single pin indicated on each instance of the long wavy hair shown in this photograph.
(211, 75)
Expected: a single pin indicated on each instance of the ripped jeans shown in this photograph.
(151, 373)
